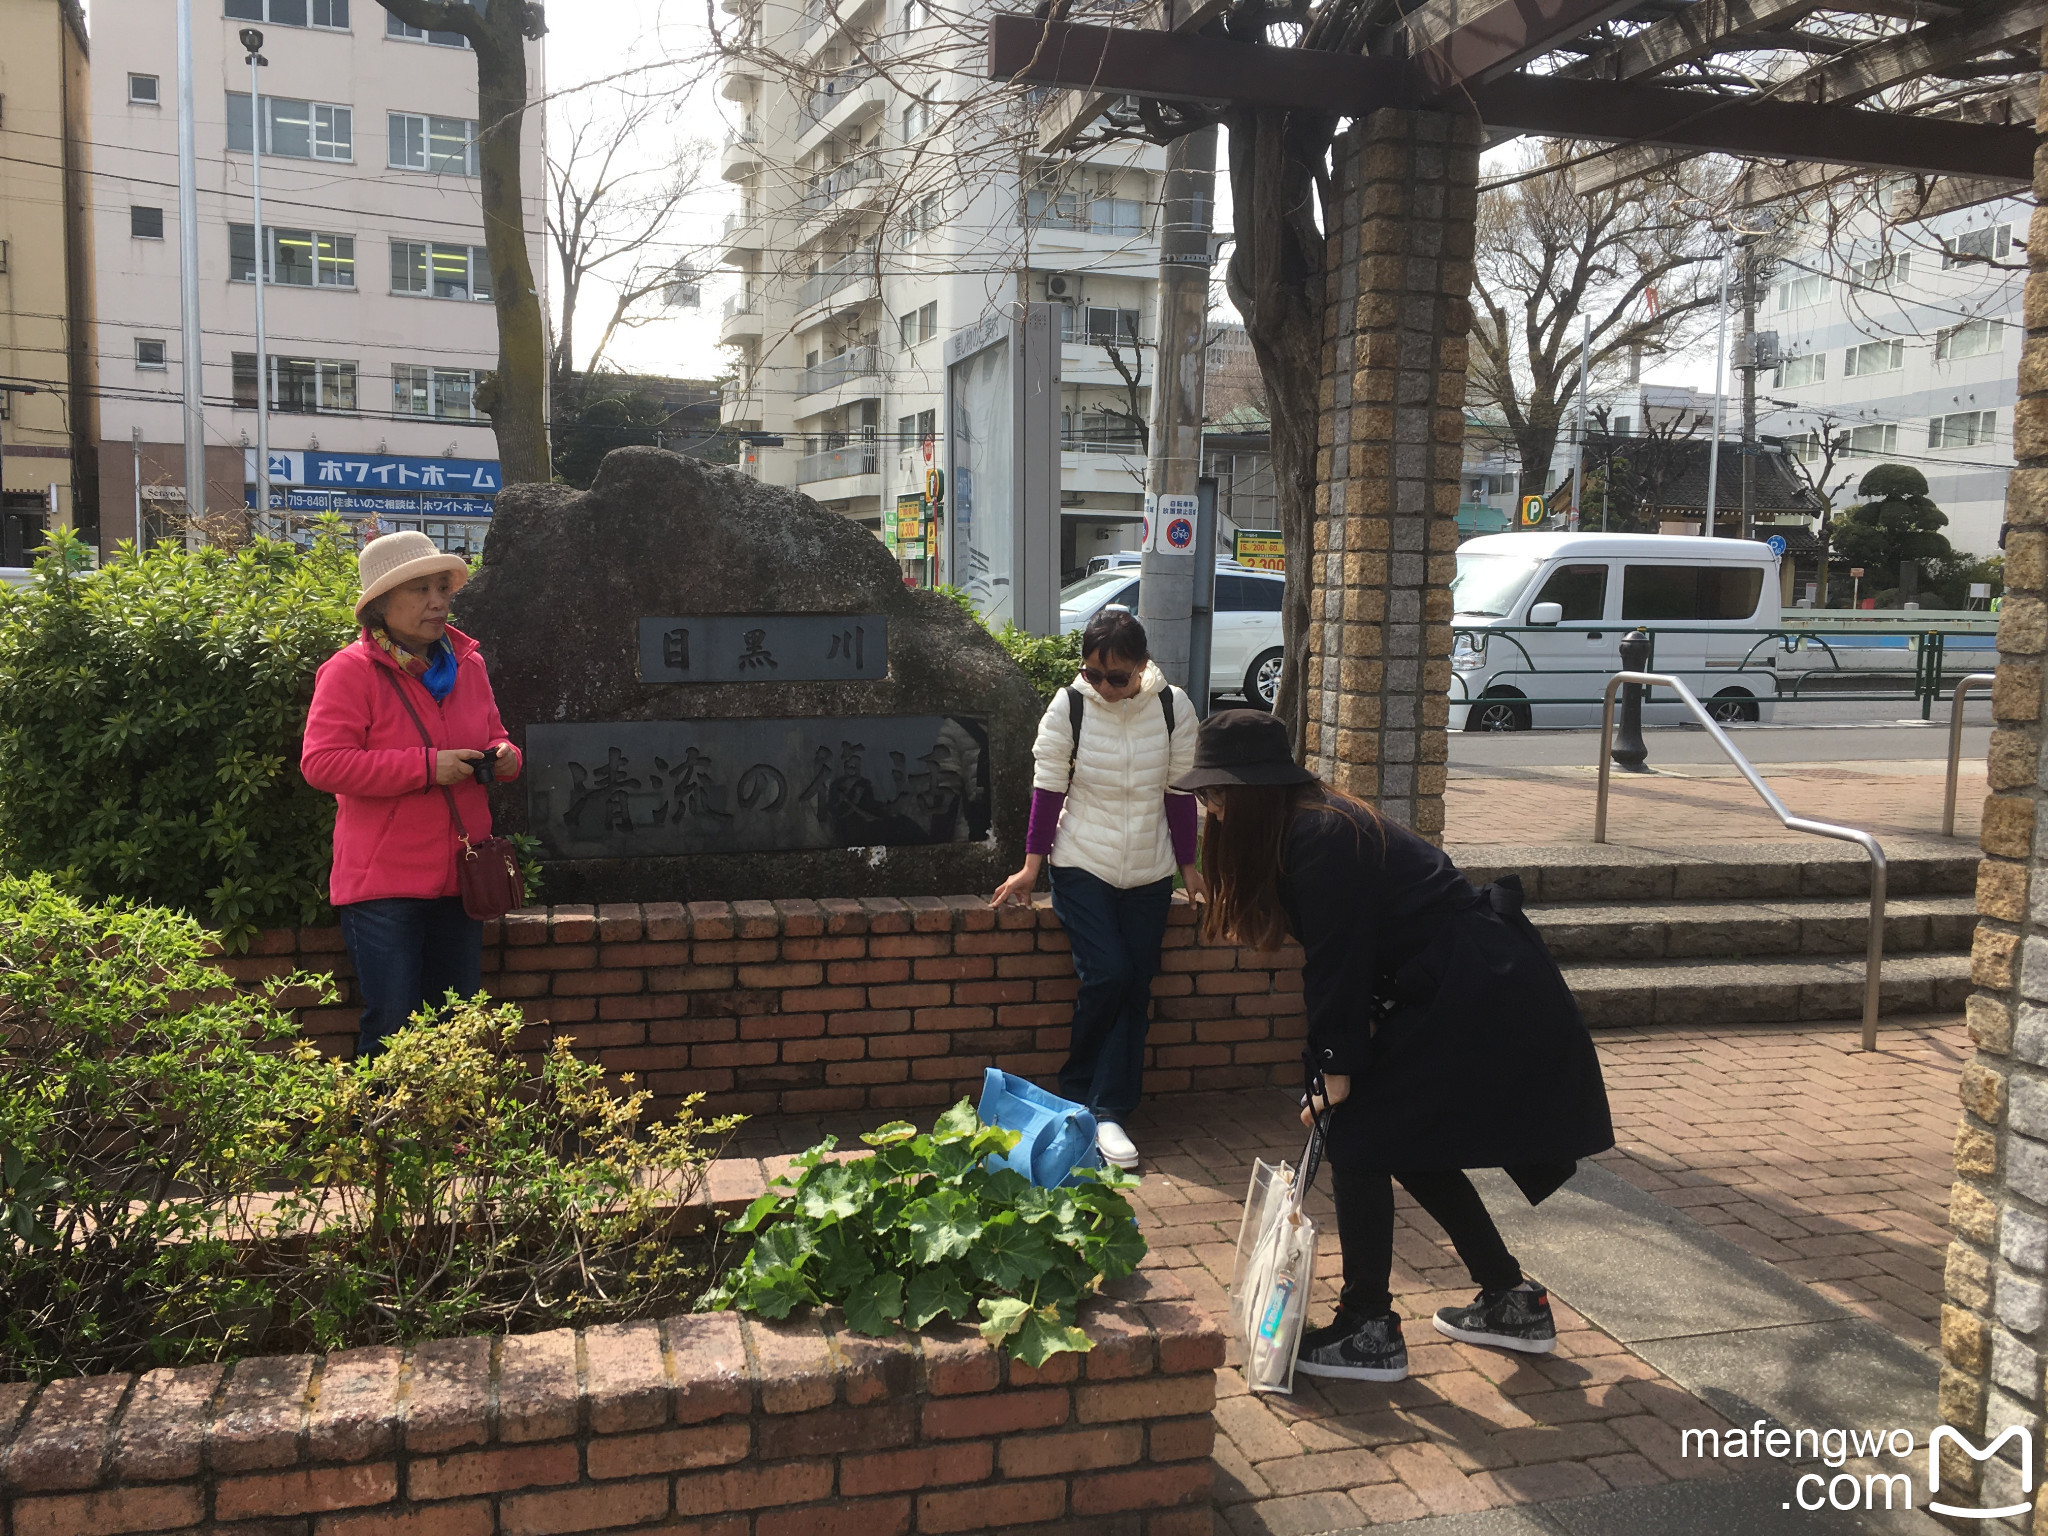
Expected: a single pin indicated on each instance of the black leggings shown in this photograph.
(1365, 1231)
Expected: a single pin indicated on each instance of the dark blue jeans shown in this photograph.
(409, 952)
(1116, 936)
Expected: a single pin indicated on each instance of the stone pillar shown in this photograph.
(1389, 461)
(1992, 1326)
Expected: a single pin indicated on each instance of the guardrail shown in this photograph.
(1955, 745)
(1874, 951)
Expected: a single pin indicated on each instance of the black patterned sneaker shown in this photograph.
(1355, 1348)
(1516, 1318)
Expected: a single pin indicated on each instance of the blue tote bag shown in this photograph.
(1056, 1136)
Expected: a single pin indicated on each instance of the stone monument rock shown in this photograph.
(725, 692)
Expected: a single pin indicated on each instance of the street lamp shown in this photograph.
(252, 40)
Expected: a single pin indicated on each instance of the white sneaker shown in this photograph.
(1114, 1145)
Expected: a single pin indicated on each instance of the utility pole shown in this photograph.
(1579, 429)
(1751, 359)
(1166, 598)
(1714, 448)
(253, 41)
(188, 275)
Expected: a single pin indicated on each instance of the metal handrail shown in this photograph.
(1874, 953)
(1955, 745)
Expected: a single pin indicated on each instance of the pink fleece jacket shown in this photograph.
(392, 832)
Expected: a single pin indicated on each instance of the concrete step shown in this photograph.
(1633, 994)
(1730, 930)
(1558, 873)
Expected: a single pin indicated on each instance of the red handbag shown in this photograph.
(487, 872)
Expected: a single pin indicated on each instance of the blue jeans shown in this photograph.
(409, 952)
(1116, 936)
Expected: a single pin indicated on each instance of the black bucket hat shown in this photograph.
(1242, 746)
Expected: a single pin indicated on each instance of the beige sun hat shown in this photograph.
(396, 558)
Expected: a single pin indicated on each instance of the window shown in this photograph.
(919, 324)
(442, 144)
(150, 353)
(146, 223)
(916, 14)
(294, 130)
(449, 393)
(1991, 243)
(293, 13)
(1054, 210)
(1246, 594)
(440, 271)
(1867, 442)
(145, 91)
(917, 121)
(1963, 429)
(298, 258)
(1805, 447)
(1973, 338)
(299, 386)
(1622, 424)
(1690, 591)
(1798, 292)
(1113, 327)
(1873, 357)
(1882, 269)
(1581, 590)
(393, 27)
(1810, 369)
(1117, 216)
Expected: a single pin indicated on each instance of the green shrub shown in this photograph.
(978, 1244)
(183, 1179)
(150, 720)
(1049, 661)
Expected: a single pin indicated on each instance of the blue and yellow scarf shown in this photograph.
(436, 670)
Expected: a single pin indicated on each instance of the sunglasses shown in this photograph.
(1097, 679)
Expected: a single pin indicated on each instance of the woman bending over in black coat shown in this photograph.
(1440, 1034)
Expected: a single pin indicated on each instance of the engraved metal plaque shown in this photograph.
(764, 648)
(652, 789)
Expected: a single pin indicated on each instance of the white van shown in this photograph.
(1562, 603)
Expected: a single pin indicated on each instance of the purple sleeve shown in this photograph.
(1180, 821)
(1045, 820)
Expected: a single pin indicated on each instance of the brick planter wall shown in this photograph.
(810, 1006)
(716, 1425)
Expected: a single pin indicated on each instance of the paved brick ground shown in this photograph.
(1672, 808)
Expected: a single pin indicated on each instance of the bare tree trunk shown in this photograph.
(1276, 281)
(515, 393)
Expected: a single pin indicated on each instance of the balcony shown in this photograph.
(854, 363)
(835, 186)
(742, 233)
(740, 317)
(828, 102)
(741, 80)
(827, 282)
(1048, 213)
(838, 464)
(741, 156)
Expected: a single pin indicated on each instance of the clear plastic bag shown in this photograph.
(1275, 1270)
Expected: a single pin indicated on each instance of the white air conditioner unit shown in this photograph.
(1061, 286)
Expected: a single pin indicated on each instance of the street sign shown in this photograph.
(1180, 533)
(1260, 549)
(1776, 543)
(1532, 512)
(1856, 571)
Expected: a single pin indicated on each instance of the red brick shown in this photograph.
(891, 1047)
(910, 946)
(831, 1431)
(112, 1512)
(954, 968)
(537, 1386)
(304, 1490)
(260, 1414)
(781, 1026)
(994, 944)
(710, 1366)
(797, 1372)
(572, 924)
(803, 974)
(872, 1517)
(523, 928)
(756, 920)
(618, 922)
(601, 1507)
(1058, 1370)
(451, 1384)
(689, 978)
(953, 1018)
(736, 952)
(710, 920)
(625, 1378)
(1181, 1439)
(930, 1466)
(355, 1406)
(958, 1360)
(812, 1101)
(554, 957)
(714, 1493)
(670, 1450)
(870, 1022)
(639, 955)
(164, 1427)
(1155, 1397)
(840, 1073)
(1076, 1451)
(608, 983)
(969, 1509)
(996, 1413)
(1123, 1341)
(823, 1048)
(843, 914)
(663, 921)
(472, 1517)
(866, 973)
(494, 1471)
(822, 999)
(1107, 1493)
(800, 918)
(1188, 1340)
(843, 947)
(66, 1434)
(926, 995)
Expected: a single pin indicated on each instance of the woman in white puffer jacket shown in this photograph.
(1101, 810)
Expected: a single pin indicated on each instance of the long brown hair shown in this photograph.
(1242, 849)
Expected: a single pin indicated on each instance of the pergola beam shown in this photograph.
(1692, 34)
(1456, 44)
(1069, 114)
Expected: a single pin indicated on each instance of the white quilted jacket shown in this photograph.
(1114, 822)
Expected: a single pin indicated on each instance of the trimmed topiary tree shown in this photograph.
(1897, 522)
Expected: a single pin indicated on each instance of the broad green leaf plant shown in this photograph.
(977, 1244)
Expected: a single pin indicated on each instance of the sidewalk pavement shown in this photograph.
(1671, 808)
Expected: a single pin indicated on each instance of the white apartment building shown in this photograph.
(379, 318)
(874, 223)
(1908, 353)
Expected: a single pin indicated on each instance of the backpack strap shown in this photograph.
(1075, 705)
(1166, 708)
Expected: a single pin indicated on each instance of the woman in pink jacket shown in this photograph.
(404, 733)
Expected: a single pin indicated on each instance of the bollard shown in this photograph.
(1629, 752)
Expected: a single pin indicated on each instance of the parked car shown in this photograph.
(1244, 647)
(1131, 559)
(1561, 603)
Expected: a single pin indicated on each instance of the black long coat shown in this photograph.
(1439, 1000)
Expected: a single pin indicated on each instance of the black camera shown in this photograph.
(486, 767)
